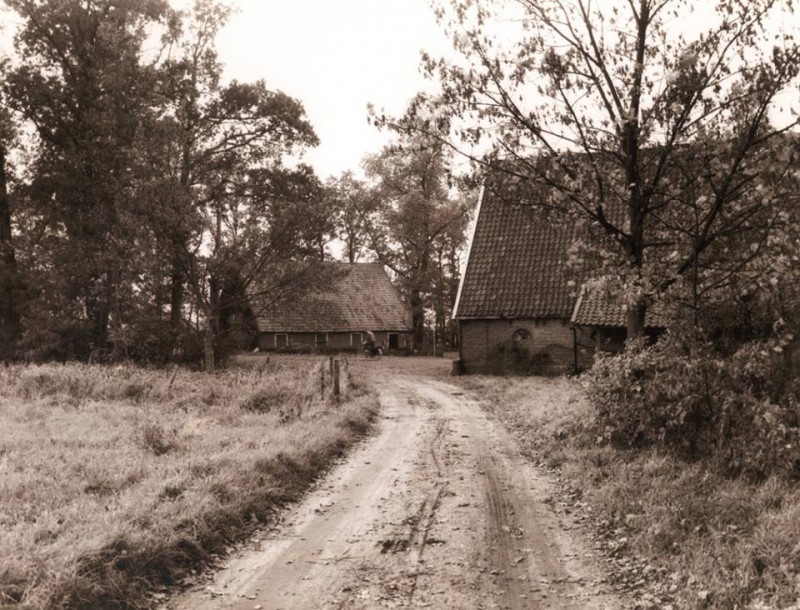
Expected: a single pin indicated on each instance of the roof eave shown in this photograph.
(469, 252)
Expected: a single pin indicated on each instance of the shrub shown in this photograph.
(157, 440)
(40, 381)
(515, 358)
(684, 396)
(287, 405)
(264, 400)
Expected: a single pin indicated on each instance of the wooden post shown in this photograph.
(336, 364)
(322, 382)
(171, 381)
(331, 367)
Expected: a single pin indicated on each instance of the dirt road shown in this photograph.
(437, 510)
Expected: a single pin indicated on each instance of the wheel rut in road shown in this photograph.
(437, 510)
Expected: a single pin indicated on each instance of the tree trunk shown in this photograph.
(417, 318)
(176, 298)
(455, 281)
(211, 334)
(635, 315)
(9, 280)
(177, 279)
(208, 346)
(114, 319)
(636, 204)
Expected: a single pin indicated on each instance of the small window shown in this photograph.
(394, 341)
(281, 340)
(321, 339)
(355, 339)
(522, 334)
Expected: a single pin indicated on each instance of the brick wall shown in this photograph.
(551, 340)
(335, 341)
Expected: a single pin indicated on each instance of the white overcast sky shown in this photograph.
(335, 56)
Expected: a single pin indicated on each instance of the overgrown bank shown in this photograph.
(680, 532)
(115, 483)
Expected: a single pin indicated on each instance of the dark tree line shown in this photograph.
(146, 203)
(140, 194)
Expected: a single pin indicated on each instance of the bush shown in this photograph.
(158, 441)
(265, 400)
(738, 411)
(286, 404)
(515, 358)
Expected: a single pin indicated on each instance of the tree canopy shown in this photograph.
(672, 142)
(149, 192)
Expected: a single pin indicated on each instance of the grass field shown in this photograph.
(117, 481)
(700, 540)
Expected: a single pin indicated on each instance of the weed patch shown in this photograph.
(696, 538)
(157, 440)
(152, 475)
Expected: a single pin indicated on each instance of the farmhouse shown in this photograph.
(517, 306)
(359, 298)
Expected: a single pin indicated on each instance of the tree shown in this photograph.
(416, 227)
(352, 203)
(219, 147)
(600, 107)
(83, 87)
(9, 275)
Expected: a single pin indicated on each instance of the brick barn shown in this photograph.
(517, 306)
(359, 298)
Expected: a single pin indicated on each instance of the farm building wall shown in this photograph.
(528, 345)
(331, 341)
(601, 339)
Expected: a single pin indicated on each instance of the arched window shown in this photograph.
(521, 335)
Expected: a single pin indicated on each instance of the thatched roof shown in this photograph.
(357, 298)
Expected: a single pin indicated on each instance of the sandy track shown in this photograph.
(438, 510)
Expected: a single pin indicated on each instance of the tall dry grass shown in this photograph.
(117, 481)
(701, 540)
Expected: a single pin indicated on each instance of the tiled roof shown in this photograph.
(360, 297)
(595, 308)
(517, 262)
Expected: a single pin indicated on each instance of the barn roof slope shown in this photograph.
(595, 308)
(359, 297)
(517, 262)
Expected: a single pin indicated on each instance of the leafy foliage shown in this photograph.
(152, 194)
(516, 358)
(666, 142)
(737, 410)
(417, 227)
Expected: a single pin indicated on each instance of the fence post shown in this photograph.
(336, 364)
(322, 382)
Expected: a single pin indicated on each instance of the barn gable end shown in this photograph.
(516, 299)
(359, 298)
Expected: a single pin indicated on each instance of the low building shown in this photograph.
(520, 308)
(359, 298)
(515, 300)
(599, 322)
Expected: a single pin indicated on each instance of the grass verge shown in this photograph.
(118, 482)
(681, 535)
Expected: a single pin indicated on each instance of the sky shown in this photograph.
(336, 57)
